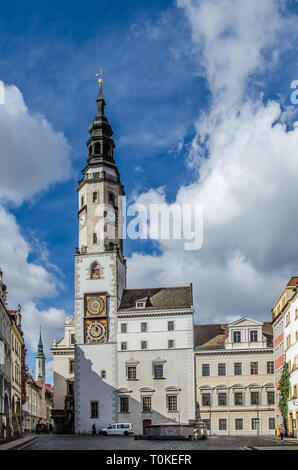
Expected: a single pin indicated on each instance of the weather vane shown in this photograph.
(100, 74)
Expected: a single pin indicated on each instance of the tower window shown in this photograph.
(82, 201)
(95, 196)
(95, 271)
(97, 148)
(94, 238)
(111, 198)
(90, 150)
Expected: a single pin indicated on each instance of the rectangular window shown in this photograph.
(222, 424)
(270, 367)
(254, 398)
(170, 343)
(144, 327)
(71, 366)
(253, 336)
(94, 409)
(131, 372)
(124, 404)
(103, 374)
(95, 196)
(123, 327)
(70, 388)
(271, 424)
(254, 368)
(237, 368)
(237, 336)
(94, 239)
(221, 369)
(239, 424)
(147, 404)
(222, 399)
(170, 326)
(72, 339)
(158, 371)
(123, 346)
(206, 399)
(172, 403)
(143, 344)
(255, 424)
(238, 398)
(205, 370)
(270, 397)
(140, 305)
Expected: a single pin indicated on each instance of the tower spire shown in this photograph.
(40, 360)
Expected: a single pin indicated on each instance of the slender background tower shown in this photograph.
(40, 361)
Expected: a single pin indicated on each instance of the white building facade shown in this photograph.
(155, 357)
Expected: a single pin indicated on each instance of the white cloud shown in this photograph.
(32, 154)
(50, 321)
(248, 182)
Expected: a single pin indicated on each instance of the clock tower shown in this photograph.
(100, 277)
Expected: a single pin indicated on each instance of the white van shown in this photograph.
(118, 429)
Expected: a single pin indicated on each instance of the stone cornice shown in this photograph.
(234, 352)
(155, 313)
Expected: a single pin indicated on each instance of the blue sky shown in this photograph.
(162, 84)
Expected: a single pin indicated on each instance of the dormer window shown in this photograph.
(140, 304)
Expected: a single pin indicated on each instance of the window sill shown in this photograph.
(148, 411)
(172, 411)
(132, 380)
(159, 378)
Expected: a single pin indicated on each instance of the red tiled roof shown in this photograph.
(293, 281)
(213, 336)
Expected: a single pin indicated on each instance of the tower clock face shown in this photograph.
(95, 305)
(96, 331)
(82, 219)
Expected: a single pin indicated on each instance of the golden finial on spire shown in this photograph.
(100, 74)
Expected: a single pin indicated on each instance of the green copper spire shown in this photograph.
(40, 353)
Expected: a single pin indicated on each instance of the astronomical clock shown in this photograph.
(95, 321)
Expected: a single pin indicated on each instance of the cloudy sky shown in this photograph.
(199, 97)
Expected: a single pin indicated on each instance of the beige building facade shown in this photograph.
(234, 371)
(63, 353)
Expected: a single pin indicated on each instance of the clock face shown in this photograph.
(96, 331)
(83, 218)
(109, 214)
(95, 305)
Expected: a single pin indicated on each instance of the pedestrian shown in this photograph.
(282, 432)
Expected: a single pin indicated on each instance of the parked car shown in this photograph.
(118, 429)
(200, 431)
(41, 427)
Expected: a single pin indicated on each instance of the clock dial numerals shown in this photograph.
(95, 321)
(95, 331)
(95, 305)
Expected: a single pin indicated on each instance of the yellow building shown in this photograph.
(31, 407)
(235, 377)
(17, 344)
